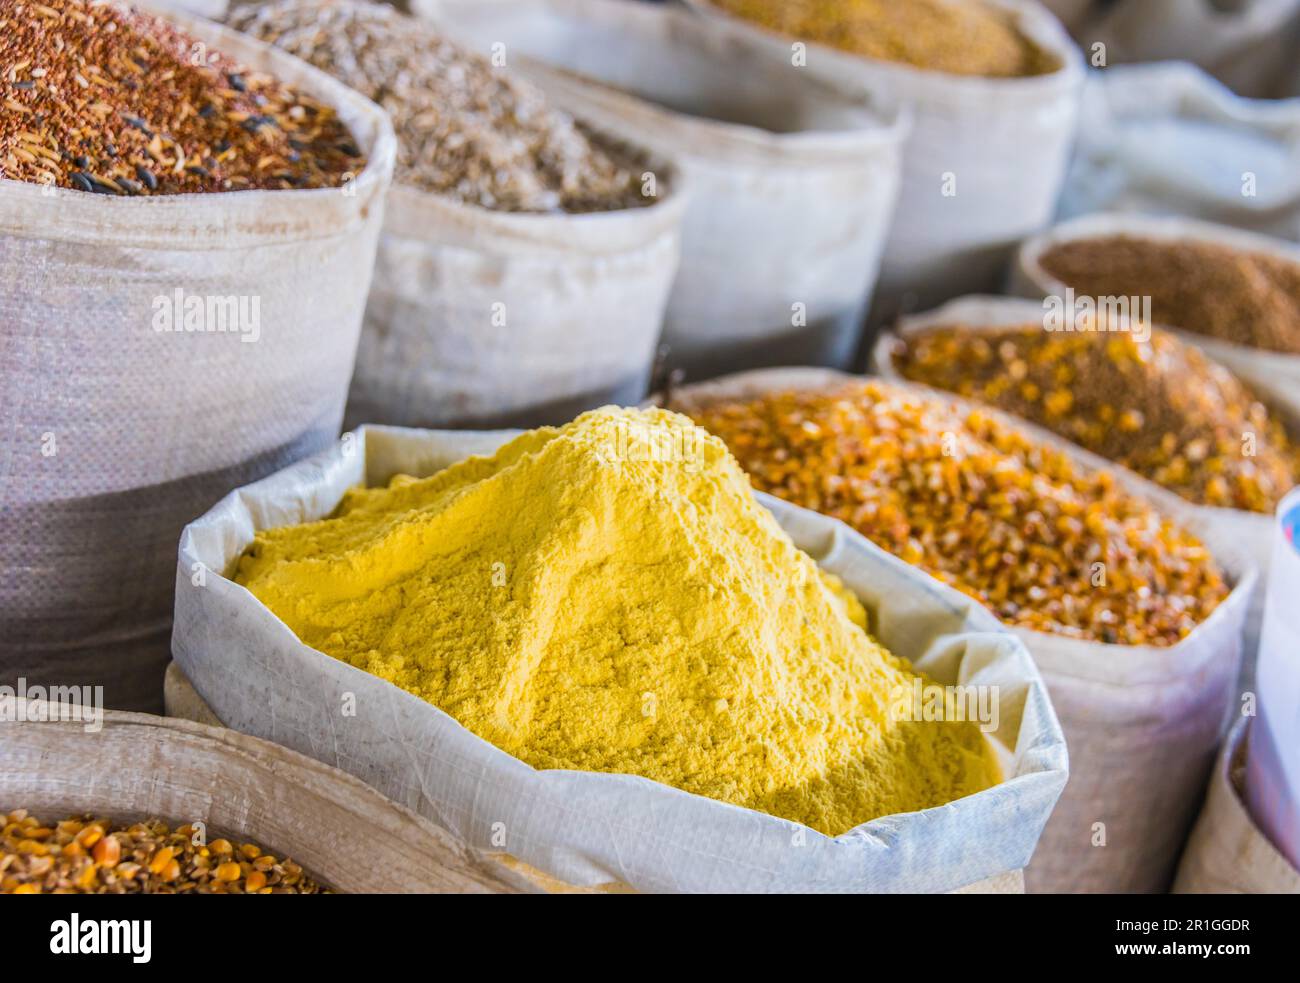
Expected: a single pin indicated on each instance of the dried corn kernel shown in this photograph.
(80, 855)
(1183, 421)
(972, 500)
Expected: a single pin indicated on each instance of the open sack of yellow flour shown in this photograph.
(993, 89)
(606, 604)
(1141, 676)
(792, 183)
(162, 347)
(526, 256)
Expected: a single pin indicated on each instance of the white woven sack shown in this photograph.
(1169, 139)
(482, 318)
(792, 183)
(588, 828)
(1142, 723)
(1002, 144)
(113, 434)
(1227, 853)
(1248, 44)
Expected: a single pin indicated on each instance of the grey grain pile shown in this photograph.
(464, 127)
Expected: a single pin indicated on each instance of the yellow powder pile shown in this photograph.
(960, 37)
(609, 596)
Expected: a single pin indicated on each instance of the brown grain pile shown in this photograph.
(973, 501)
(960, 37)
(100, 98)
(464, 128)
(1246, 298)
(1157, 407)
(84, 855)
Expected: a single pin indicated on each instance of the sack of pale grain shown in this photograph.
(586, 827)
(1142, 723)
(158, 350)
(526, 258)
(792, 183)
(983, 163)
(1227, 853)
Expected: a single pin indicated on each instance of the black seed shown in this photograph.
(81, 181)
(138, 123)
(349, 149)
(131, 186)
(221, 147)
(81, 161)
(24, 85)
(110, 150)
(147, 177)
(200, 171)
(208, 111)
(237, 82)
(100, 188)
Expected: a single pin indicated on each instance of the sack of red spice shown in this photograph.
(1142, 720)
(187, 226)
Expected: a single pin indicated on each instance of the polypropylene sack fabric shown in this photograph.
(482, 318)
(589, 828)
(1168, 139)
(792, 184)
(1227, 853)
(114, 434)
(1142, 723)
(982, 166)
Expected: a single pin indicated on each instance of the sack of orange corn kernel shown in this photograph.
(1142, 722)
(62, 766)
(1274, 433)
(586, 827)
(159, 344)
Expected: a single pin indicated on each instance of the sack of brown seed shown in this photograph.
(1233, 294)
(166, 333)
(1142, 721)
(993, 88)
(526, 258)
(792, 183)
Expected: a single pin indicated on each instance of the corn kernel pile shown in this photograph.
(1158, 407)
(1009, 521)
(83, 855)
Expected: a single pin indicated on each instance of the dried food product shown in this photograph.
(961, 37)
(86, 855)
(102, 98)
(1010, 521)
(1159, 407)
(1208, 288)
(464, 128)
(609, 596)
